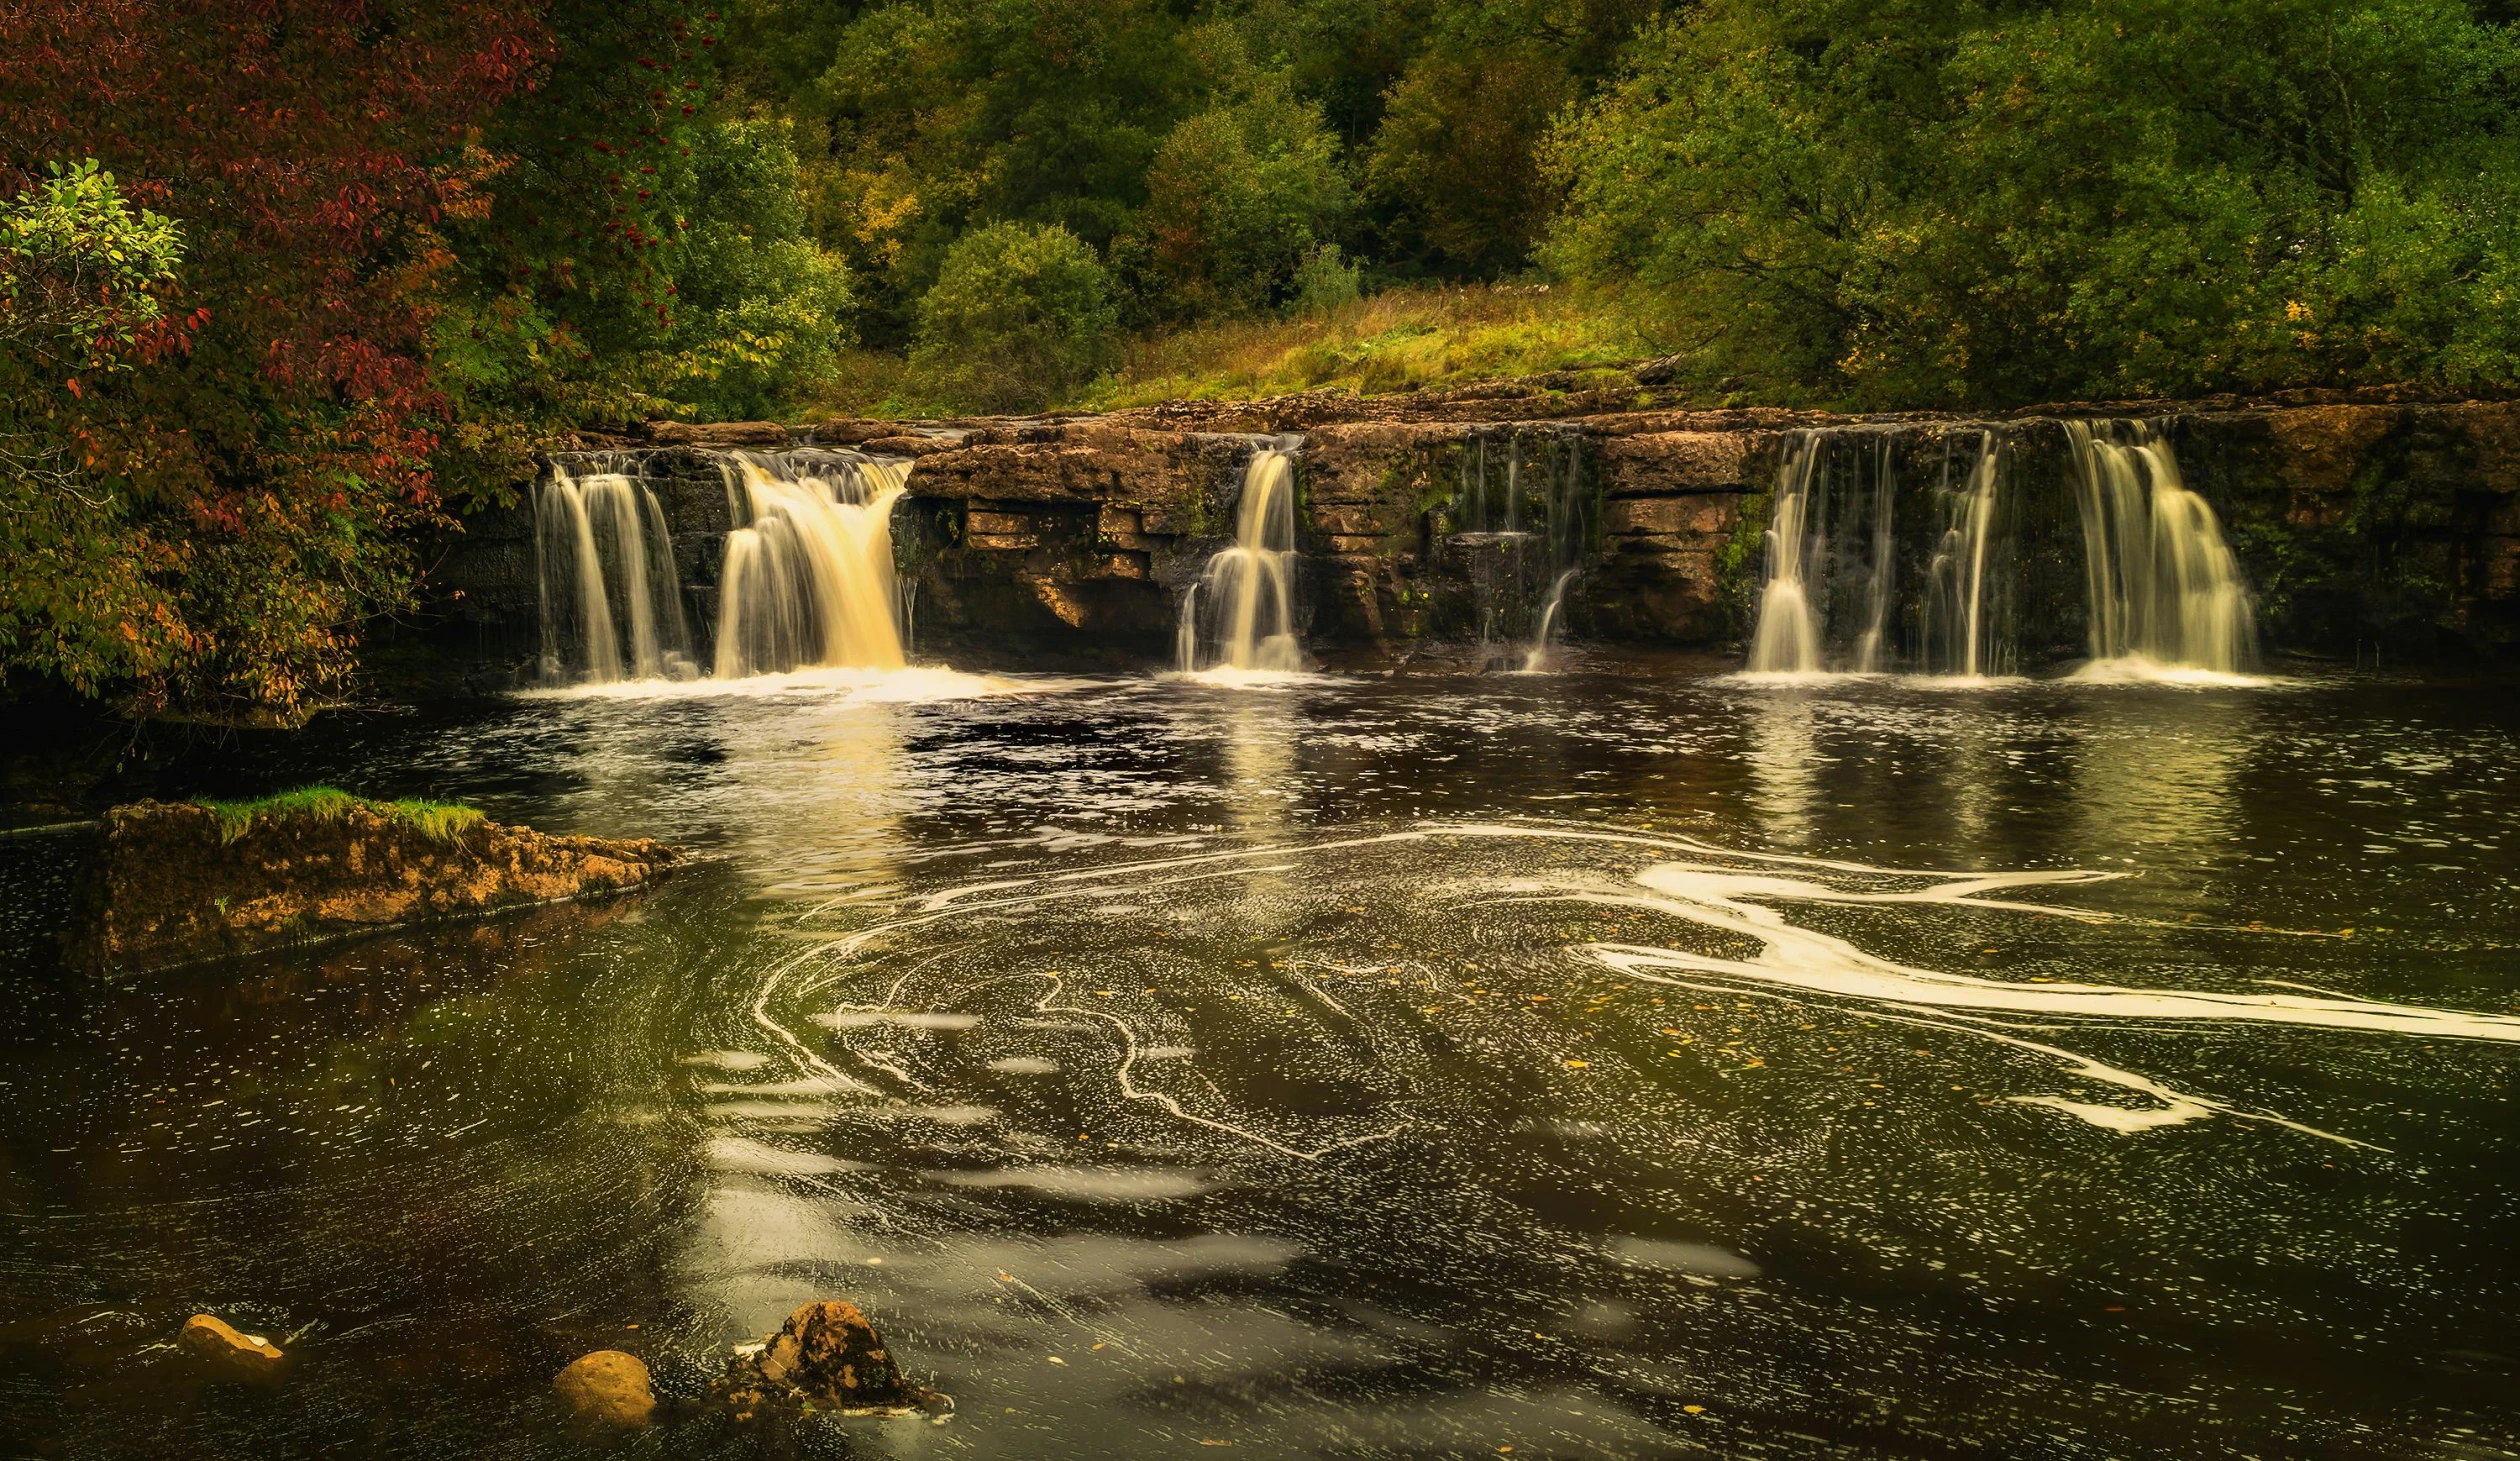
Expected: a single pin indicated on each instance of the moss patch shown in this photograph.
(437, 821)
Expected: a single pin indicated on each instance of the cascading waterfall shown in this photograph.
(809, 577)
(1830, 601)
(1247, 591)
(1966, 608)
(1522, 534)
(2166, 590)
(611, 600)
(1824, 574)
(1787, 638)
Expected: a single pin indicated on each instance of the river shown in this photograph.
(1632, 1061)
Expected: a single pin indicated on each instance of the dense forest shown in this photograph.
(283, 283)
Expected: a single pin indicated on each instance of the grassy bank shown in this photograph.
(1397, 340)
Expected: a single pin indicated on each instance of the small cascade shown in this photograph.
(2166, 590)
(1523, 517)
(1830, 559)
(1241, 613)
(1968, 608)
(1787, 638)
(604, 567)
(809, 576)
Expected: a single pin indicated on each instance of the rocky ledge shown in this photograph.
(179, 883)
(2366, 523)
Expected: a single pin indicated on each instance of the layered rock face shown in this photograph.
(168, 887)
(2360, 520)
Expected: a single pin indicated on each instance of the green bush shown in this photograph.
(759, 313)
(1238, 198)
(1020, 314)
(1325, 280)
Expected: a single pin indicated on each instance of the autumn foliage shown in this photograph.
(241, 474)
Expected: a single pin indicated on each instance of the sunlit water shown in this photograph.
(1603, 1064)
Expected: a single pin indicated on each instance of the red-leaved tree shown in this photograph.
(262, 450)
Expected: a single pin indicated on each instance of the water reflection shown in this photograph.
(1146, 1060)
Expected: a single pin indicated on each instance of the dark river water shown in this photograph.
(1625, 1062)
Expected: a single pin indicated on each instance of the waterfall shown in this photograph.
(1249, 587)
(1521, 541)
(1830, 566)
(2166, 591)
(1787, 639)
(809, 576)
(1965, 610)
(611, 600)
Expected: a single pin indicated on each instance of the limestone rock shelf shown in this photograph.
(2361, 519)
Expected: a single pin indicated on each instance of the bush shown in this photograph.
(1020, 314)
(760, 313)
(1238, 198)
(1324, 281)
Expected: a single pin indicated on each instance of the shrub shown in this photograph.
(1239, 197)
(1020, 314)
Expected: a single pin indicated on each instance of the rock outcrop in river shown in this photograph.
(177, 883)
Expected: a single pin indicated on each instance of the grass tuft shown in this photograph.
(437, 821)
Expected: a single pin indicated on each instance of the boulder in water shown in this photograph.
(827, 1355)
(180, 882)
(607, 1390)
(228, 1352)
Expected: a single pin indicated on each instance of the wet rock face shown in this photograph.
(607, 1390)
(227, 1352)
(165, 888)
(2359, 518)
(828, 1354)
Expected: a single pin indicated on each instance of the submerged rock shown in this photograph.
(607, 1389)
(176, 883)
(228, 1352)
(827, 1355)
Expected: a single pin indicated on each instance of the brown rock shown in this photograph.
(607, 1390)
(168, 887)
(228, 1352)
(829, 1353)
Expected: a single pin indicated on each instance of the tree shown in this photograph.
(1238, 196)
(262, 467)
(1969, 205)
(1018, 314)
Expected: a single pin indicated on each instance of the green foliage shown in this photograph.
(1238, 197)
(1324, 281)
(1970, 205)
(1020, 313)
(79, 269)
(760, 313)
(437, 821)
(81, 276)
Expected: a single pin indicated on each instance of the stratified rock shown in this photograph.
(169, 888)
(607, 1389)
(226, 1351)
(827, 1354)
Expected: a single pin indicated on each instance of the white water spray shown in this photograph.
(1250, 587)
(2166, 591)
(809, 576)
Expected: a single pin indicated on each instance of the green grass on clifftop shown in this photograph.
(1397, 340)
(437, 821)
